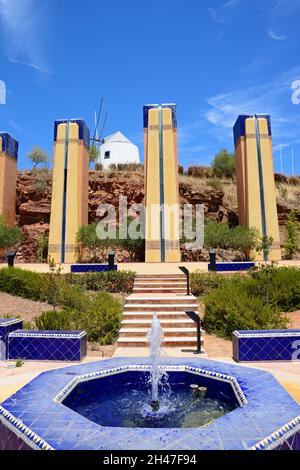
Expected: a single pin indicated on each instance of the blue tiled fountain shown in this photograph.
(59, 409)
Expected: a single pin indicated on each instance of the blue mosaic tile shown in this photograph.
(47, 345)
(239, 127)
(91, 268)
(264, 345)
(222, 267)
(260, 424)
(7, 325)
(84, 133)
(147, 107)
(9, 145)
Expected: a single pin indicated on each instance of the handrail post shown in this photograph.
(187, 273)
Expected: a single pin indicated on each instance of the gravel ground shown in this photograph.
(21, 308)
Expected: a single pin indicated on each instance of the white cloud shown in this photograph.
(219, 14)
(272, 98)
(275, 36)
(22, 33)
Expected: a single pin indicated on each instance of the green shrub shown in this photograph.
(223, 164)
(100, 319)
(203, 283)
(55, 321)
(279, 286)
(231, 308)
(112, 281)
(22, 283)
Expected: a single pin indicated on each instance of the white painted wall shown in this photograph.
(120, 149)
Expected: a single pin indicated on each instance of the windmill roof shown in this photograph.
(117, 137)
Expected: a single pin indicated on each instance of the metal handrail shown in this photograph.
(187, 273)
(195, 317)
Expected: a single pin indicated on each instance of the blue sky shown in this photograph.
(215, 58)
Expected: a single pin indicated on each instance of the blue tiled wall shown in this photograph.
(47, 346)
(232, 266)
(91, 268)
(7, 325)
(10, 441)
(275, 345)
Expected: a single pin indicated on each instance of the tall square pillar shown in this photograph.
(161, 184)
(255, 178)
(8, 177)
(69, 206)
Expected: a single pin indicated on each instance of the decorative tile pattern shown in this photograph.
(9, 145)
(232, 266)
(91, 268)
(239, 127)
(265, 345)
(172, 106)
(47, 345)
(7, 325)
(38, 407)
(84, 133)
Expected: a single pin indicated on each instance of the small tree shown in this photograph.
(93, 154)
(134, 246)
(264, 246)
(292, 230)
(87, 236)
(243, 239)
(54, 283)
(9, 236)
(42, 248)
(216, 235)
(223, 164)
(38, 156)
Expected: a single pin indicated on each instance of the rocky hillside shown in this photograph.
(218, 197)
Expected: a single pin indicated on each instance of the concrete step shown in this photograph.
(159, 290)
(169, 342)
(144, 315)
(160, 276)
(142, 332)
(160, 307)
(165, 323)
(161, 299)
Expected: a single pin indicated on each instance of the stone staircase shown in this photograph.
(166, 295)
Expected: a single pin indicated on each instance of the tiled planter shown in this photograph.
(7, 325)
(220, 267)
(266, 345)
(47, 345)
(91, 268)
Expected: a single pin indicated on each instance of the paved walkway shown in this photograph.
(144, 268)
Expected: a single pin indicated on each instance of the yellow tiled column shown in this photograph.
(8, 177)
(255, 179)
(161, 184)
(69, 207)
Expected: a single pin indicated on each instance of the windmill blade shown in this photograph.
(97, 119)
(102, 129)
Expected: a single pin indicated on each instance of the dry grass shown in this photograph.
(288, 194)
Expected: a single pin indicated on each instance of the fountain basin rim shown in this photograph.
(267, 420)
(241, 399)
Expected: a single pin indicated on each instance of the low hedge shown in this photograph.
(112, 281)
(230, 308)
(203, 283)
(22, 283)
(100, 318)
